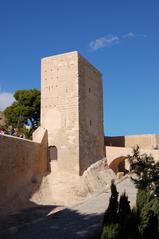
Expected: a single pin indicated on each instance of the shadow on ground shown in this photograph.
(24, 217)
(65, 224)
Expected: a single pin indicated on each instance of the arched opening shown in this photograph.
(53, 155)
(119, 165)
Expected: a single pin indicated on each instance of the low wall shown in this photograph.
(22, 165)
(116, 155)
(146, 141)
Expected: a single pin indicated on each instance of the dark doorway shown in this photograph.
(52, 153)
(121, 167)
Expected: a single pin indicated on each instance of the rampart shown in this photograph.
(22, 165)
(145, 141)
(116, 155)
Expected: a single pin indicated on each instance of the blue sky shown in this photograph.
(120, 37)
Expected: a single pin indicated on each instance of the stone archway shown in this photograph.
(118, 165)
(53, 154)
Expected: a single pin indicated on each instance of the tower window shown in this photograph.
(89, 90)
(90, 122)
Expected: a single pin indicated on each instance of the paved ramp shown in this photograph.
(81, 221)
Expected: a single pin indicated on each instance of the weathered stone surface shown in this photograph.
(116, 155)
(72, 110)
(98, 176)
(22, 165)
(144, 141)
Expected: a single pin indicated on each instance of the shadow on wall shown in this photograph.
(145, 141)
(68, 224)
(23, 163)
(118, 141)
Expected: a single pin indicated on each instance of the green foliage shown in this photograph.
(142, 222)
(147, 202)
(147, 171)
(111, 212)
(119, 221)
(27, 132)
(135, 221)
(26, 107)
(148, 224)
(139, 223)
(143, 197)
(124, 216)
(148, 213)
(124, 207)
(154, 205)
(111, 231)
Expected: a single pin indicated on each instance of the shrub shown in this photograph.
(111, 212)
(147, 171)
(142, 198)
(149, 224)
(111, 231)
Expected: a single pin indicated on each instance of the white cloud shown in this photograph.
(105, 41)
(6, 99)
(133, 35)
(110, 40)
(129, 34)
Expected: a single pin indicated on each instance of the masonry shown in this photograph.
(72, 110)
(23, 163)
(70, 133)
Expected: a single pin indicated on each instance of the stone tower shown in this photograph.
(72, 110)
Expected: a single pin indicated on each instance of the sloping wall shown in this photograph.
(22, 165)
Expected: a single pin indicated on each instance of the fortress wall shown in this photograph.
(115, 155)
(157, 139)
(22, 163)
(143, 141)
(59, 107)
(90, 115)
(116, 141)
(147, 141)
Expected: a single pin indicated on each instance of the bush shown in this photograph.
(142, 198)
(149, 224)
(149, 211)
(119, 221)
(111, 231)
(110, 216)
(146, 170)
(142, 222)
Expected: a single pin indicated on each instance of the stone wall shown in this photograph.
(72, 110)
(22, 165)
(147, 141)
(90, 115)
(157, 139)
(59, 107)
(116, 155)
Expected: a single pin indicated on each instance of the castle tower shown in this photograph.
(72, 110)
